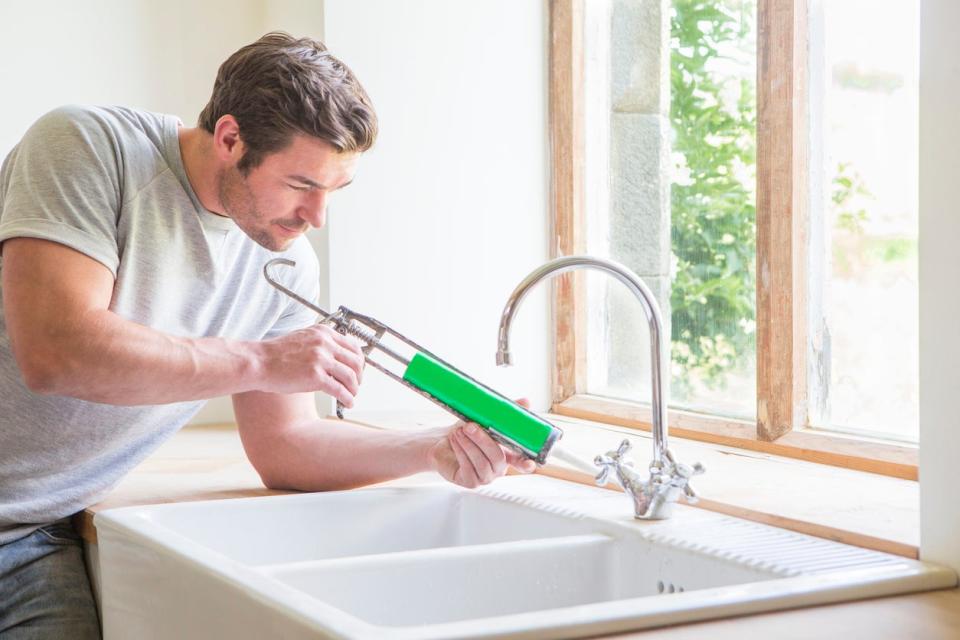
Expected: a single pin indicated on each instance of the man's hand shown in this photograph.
(313, 359)
(466, 455)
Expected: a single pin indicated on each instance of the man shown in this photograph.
(132, 250)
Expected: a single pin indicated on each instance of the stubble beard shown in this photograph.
(240, 204)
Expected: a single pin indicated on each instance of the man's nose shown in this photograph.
(314, 210)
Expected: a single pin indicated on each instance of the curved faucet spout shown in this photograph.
(654, 496)
(650, 308)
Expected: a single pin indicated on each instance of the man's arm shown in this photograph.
(67, 342)
(291, 447)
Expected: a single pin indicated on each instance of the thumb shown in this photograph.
(523, 402)
(520, 463)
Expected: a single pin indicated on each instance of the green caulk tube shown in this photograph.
(506, 421)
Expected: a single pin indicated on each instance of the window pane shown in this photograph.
(713, 205)
(864, 176)
(671, 193)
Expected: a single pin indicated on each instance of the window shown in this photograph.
(864, 101)
(743, 200)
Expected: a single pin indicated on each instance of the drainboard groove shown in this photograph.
(757, 543)
(533, 503)
(783, 552)
(802, 562)
(827, 567)
(801, 555)
(739, 538)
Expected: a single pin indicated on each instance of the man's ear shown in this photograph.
(227, 143)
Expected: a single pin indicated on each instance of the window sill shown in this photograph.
(848, 452)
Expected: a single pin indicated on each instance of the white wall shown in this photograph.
(448, 212)
(151, 55)
(939, 283)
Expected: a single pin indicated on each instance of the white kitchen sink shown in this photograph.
(527, 557)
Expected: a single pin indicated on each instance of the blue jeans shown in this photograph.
(44, 587)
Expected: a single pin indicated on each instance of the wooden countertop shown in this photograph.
(208, 463)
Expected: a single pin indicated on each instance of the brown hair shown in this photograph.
(280, 86)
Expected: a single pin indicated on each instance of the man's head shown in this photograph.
(289, 122)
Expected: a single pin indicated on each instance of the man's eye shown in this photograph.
(296, 188)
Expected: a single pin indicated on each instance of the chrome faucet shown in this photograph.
(654, 496)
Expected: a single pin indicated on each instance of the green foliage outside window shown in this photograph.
(713, 114)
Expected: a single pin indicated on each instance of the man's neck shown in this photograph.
(195, 149)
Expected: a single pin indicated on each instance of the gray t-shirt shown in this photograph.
(110, 183)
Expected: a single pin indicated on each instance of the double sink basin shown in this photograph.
(527, 557)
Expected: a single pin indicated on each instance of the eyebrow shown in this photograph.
(312, 183)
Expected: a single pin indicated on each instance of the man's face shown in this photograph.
(287, 193)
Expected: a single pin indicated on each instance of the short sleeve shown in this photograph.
(305, 281)
(62, 183)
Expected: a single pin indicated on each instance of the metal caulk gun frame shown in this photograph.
(370, 331)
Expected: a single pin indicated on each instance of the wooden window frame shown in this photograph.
(782, 412)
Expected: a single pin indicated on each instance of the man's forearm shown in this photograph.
(120, 362)
(326, 455)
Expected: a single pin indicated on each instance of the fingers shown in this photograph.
(315, 358)
(465, 475)
(478, 469)
(341, 359)
(345, 349)
(485, 458)
(481, 459)
(351, 361)
(342, 384)
(493, 453)
(350, 353)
